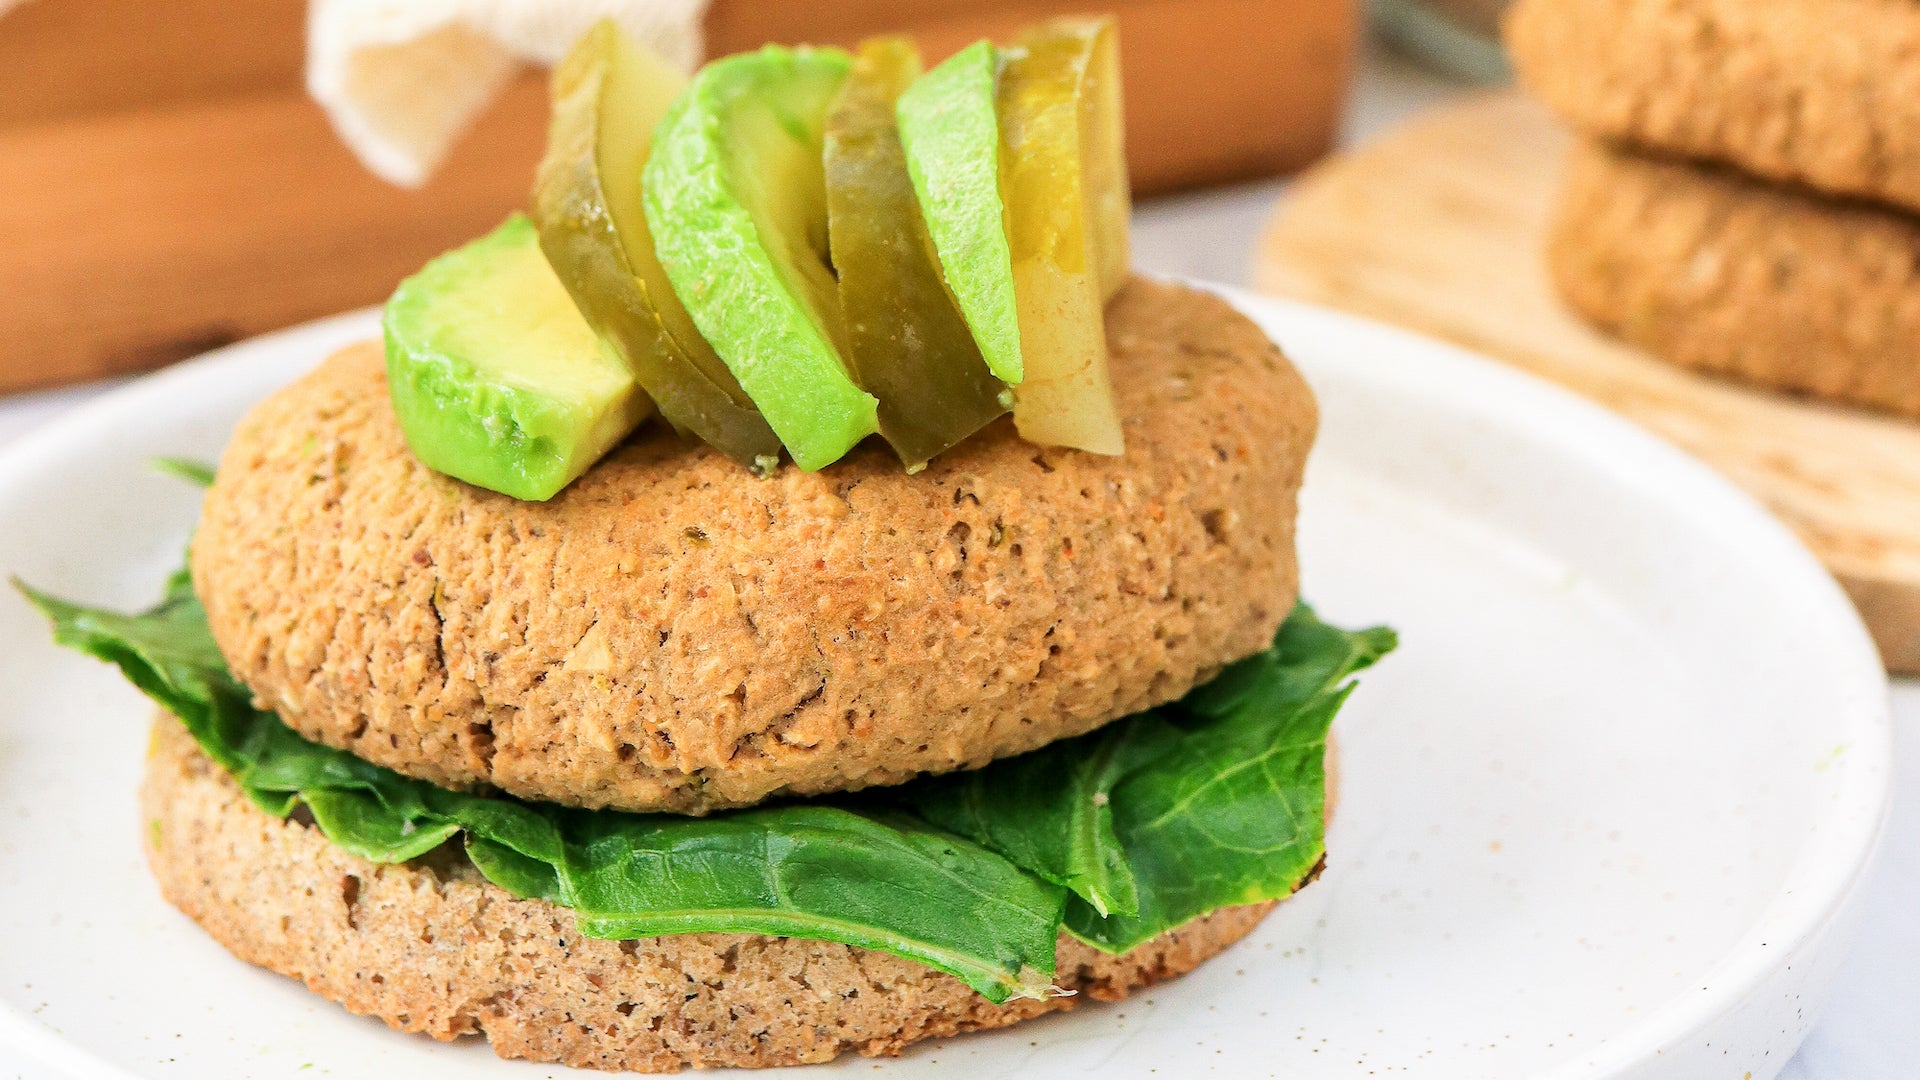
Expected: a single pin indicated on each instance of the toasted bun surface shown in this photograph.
(1711, 270)
(671, 633)
(1819, 92)
(430, 947)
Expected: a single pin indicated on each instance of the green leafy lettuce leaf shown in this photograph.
(1116, 837)
(1215, 800)
(858, 876)
(1050, 811)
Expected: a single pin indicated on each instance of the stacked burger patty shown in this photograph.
(687, 766)
(1746, 200)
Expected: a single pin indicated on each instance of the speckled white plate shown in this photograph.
(1602, 815)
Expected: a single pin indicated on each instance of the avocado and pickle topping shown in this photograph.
(792, 250)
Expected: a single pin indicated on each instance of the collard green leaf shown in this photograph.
(1050, 811)
(858, 877)
(1309, 659)
(1215, 800)
(817, 871)
(526, 878)
(1116, 836)
(1222, 798)
(1214, 816)
(361, 823)
(167, 652)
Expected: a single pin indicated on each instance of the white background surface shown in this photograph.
(1869, 1031)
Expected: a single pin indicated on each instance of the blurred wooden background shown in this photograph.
(166, 186)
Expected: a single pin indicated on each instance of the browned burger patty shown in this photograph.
(1820, 92)
(1711, 270)
(672, 633)
(430, 947)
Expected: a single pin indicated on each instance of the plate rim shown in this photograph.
(1862, 812)
(1851, 828)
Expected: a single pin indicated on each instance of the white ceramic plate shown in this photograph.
(1602, 815)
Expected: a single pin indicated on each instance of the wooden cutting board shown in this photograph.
(1440, 227)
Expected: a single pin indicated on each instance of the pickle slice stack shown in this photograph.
(797, 248)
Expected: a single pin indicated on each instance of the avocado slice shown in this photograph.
(951, 137)
(735, 193)
(907, 342)
(608, 95)
(496, 378)
(1047, 119)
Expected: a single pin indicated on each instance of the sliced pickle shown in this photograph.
(1103, 154)
(608, 95)
(1065, 398)
(907, 343)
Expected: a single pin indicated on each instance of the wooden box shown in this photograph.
(167, 187)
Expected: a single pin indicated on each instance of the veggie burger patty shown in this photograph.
(673, 633)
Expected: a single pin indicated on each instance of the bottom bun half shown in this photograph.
(431, 947)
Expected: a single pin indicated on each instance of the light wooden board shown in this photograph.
(1440, 226)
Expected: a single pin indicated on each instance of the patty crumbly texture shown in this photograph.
(673, 633)
(431, 947)
(1710, 270)
(1820, 92)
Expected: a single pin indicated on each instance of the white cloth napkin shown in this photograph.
(401, 79)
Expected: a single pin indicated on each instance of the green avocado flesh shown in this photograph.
(951, 137)
(1115, 837)
(735, 194)
(907, 342)
(496, 378)
(608, 95)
